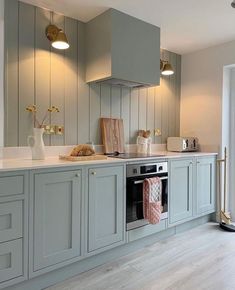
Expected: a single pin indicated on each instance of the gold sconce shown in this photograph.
(57, 37)
(166, 68)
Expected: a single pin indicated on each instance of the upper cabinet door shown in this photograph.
(57, 218)
(106, 222)
(181, 191)
(206, 185)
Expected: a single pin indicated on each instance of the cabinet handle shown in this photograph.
(198, 162)
(77, 175)
(93, 173)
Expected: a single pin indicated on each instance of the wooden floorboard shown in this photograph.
(200, 259)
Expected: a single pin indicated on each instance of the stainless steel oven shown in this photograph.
(136, 173)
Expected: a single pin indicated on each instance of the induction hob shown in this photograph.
(135, 155)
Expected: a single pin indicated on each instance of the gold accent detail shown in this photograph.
(59, 130)
(165, 66)
(57, 37)
(52, 32)
(157, 132)
(224, 216)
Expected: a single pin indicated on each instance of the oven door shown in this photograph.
(134, 200)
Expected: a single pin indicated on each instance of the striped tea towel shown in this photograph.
(152, 199)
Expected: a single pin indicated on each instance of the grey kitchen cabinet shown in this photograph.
(11, 220)
(192, 188)
(57, 213)
(11, 184)
(180, 191)
(205, 185)
(13, 227)
(106, 208)
(11, 260)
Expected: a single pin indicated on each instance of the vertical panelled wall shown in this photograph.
(35, 73)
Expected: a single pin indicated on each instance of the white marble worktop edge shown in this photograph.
(55, 162)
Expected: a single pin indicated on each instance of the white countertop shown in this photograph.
(52, 162)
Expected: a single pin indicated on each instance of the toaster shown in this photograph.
(182, 144)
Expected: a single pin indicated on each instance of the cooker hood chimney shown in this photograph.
(122, 50)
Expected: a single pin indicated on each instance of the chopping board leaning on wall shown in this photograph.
(112, 135)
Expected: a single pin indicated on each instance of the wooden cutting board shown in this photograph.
(112, 135)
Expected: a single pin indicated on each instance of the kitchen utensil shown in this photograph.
(112, 135)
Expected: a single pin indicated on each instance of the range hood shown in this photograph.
(122, 50)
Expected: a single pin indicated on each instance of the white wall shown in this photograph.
(1, 69)
(202, 90)
(205, 100)
(231, 165)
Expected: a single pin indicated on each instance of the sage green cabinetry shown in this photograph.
(192, 188)
(180, 190)
(205, 185)
(13, 227)
(106, 208)
(74, 213)
(56, 211)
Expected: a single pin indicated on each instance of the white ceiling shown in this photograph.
(186, 25)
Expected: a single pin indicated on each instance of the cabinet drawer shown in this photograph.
(11, 260)
(10, 220)
(11, 185)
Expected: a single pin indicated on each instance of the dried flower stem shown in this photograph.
(33, 109)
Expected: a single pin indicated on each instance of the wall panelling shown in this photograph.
(36, 73)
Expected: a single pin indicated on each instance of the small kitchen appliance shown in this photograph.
(182, 144)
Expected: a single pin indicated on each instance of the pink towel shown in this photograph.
(152, 191)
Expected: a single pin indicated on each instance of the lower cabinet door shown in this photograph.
(181, 191)
(206, 185)
(57, 218)
(105, 207)
(11, 264)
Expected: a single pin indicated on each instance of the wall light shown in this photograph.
(57, 37)
(166, 68)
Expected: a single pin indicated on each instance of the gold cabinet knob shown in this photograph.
(93, 173)
(77, 175)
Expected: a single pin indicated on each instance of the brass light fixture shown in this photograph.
(57, 37)
(166, 68)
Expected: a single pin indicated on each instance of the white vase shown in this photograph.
(36, 144)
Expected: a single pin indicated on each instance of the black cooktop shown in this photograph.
(135, 155)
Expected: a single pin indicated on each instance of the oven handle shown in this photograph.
(142, 181)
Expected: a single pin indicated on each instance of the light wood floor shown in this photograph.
(202, 258)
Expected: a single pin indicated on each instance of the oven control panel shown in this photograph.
(146, 169)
